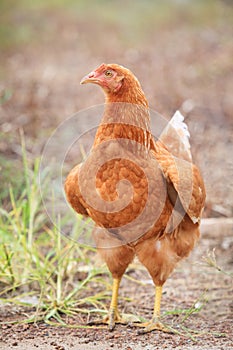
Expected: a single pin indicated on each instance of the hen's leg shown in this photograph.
(113, 316)
(155, 323)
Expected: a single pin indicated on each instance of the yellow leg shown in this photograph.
(113, 316)
(158, 298)
(113, 311)
(115, 289)
(155, 323)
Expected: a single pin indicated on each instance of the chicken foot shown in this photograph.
(113, 316)
(154, 323)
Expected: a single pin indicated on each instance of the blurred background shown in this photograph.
(181, 51)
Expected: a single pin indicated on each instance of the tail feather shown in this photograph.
(176, 137)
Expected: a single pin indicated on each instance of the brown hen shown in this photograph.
(145, 195)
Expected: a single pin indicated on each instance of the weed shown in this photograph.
(210, 260)
(38, 265)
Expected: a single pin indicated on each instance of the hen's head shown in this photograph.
(118, 82)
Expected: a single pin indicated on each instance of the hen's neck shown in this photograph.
(126, 115)
(130, 92)
(128, 105)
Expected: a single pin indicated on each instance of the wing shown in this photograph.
(73, 193)
(185, 186)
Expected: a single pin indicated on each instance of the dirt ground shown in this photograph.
(181, 66)
(193, 284)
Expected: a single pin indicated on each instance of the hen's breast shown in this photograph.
(123, 187)
(124, 183)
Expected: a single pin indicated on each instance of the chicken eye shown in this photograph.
(108, 73)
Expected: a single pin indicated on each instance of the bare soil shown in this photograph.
(194, 284)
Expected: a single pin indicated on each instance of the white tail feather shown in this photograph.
(181, 127)
(176, 137)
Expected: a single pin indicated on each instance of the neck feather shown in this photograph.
(126, 115)
(130, 92)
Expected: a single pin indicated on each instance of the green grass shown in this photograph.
(9, 174)
(41, 268)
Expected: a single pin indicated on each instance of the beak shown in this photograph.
(89, 78)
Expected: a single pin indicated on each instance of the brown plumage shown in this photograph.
(157, 217)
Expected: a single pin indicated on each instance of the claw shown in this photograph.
(158, 326)
(152, 325)
(155, 323)
(114, 318)
(97, 322)
(108, 320)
